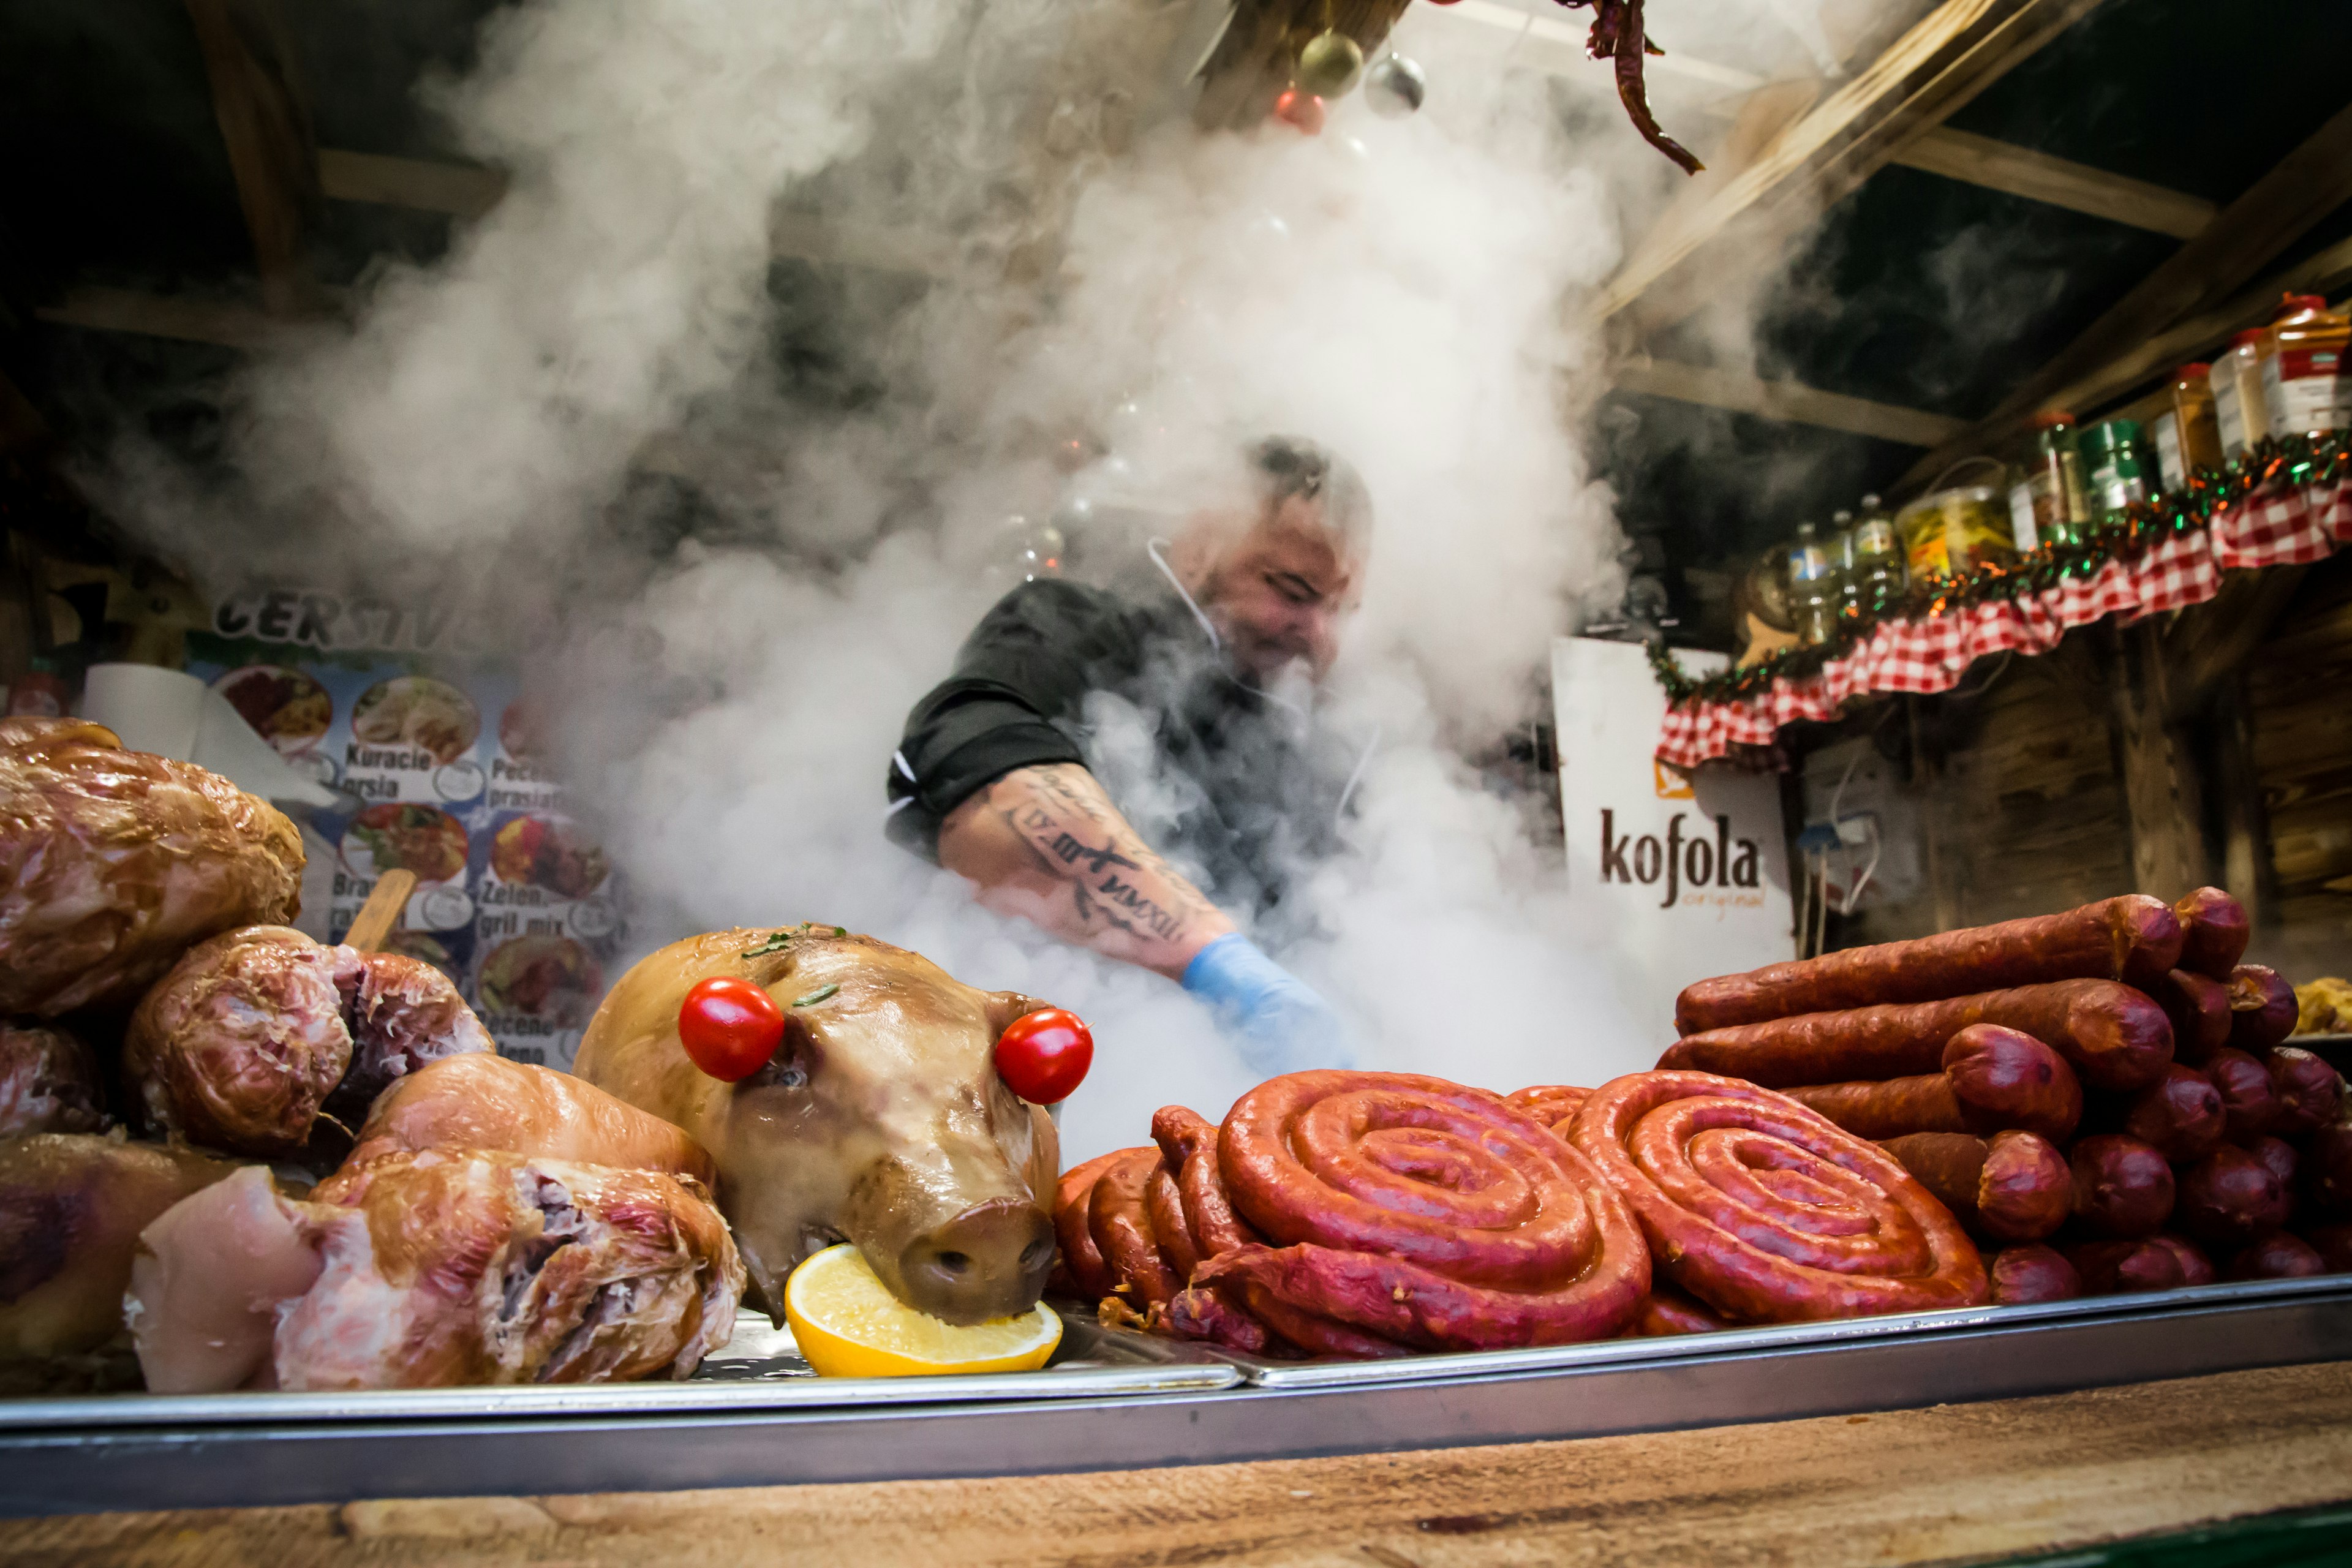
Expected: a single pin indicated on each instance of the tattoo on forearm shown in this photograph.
(1092, 861)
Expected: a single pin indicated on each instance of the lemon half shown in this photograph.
(848, 1325)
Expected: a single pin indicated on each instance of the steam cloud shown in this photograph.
(732, 690)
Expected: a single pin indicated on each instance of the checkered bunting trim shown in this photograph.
(1931, 653)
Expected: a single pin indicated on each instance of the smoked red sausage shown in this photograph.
(2133, 939)
(2213, 931)
(1187, 1143)
(2279, 1256)
(2114, 1038)
(2179, 1115)
(2230, 1200)
(2262, 1008)
(1667, 1311)
(1554, 1105)
(1120, 1219)
(2327, 1165)
(2249, 1100)
(2333, 1244)
(2277, 1156)
(2123, 1188)
(1203, 1314)
(2307, 1090)
(1994, 1080)
(2198, 1008)
(1169, 1226)
(1081, 1260)
(2196, 1268)
(2114, 1267)
(2032, 1273)
(2012, 1188)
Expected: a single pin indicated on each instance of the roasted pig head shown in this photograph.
(880, 1118)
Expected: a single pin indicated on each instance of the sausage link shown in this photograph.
(2279, 1256)
(1169, 1226)
(2230, 1200)
(2133, 939)
(1994, 1080)
(1090, 1276)
(1667, 1311)
(2014, 1188)
(1895, 1108)
(2213, 931)
(2123, 1188)
(2114, 1038)
(2307, 1087)
(2118, 1268)
(2198, 1008)
(2179, 1115)
(2262, 1008)
(1120, 1222)
(2250, 1101)
(2196, 1268)
(2031, 1273)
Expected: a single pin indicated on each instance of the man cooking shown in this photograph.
(1198, 650)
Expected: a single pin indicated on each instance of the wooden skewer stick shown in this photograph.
(380, 913)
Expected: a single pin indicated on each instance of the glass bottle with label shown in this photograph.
(2047, 506)
(1813, 587)
(2188, 436)
(2304, 388)
(1953, 532)
(2236, 381)
(1874, 577)
(2118, 466)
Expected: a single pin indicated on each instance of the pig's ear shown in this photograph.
(1003, 1006)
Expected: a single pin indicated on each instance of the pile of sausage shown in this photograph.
(148, 984)
(1369, 1214)
(2105, 1095)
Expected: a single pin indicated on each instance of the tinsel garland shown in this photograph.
(2292, 461)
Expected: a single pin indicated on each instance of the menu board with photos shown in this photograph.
(440, 770)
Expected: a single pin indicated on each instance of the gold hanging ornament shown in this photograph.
(1330, 65)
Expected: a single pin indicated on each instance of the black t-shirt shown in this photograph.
(1233, 785)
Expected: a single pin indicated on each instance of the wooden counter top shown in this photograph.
(1916, 1485)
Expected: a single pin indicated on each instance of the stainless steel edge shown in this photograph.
(1700, 1381)
(1269, 1373)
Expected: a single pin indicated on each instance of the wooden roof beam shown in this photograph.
(2281, 206)
(2037, 176)
(1788, 401)
(1940, 63)
(264, 113)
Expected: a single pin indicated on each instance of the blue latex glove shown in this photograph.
(1275, 1018)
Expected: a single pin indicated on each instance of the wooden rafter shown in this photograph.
(161, 316)
(2021, 172)
(1784, 400)
(1930, 72)
(2313, 182)
(264, 112)
(462, 190)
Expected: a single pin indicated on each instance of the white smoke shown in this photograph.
(1402, 290)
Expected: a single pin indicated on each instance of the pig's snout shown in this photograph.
(990, 1261)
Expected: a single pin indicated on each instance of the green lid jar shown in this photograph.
(2116, 466)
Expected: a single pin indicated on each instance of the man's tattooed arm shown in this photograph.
(1046, 844)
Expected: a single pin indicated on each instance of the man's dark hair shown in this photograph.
(1291, 465)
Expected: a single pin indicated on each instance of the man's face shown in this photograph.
(1279, 592)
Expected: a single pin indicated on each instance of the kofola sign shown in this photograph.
(1698, 862)
(1687, 874)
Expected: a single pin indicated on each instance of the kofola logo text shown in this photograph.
(1720, 862)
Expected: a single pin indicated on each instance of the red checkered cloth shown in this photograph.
(2277, 527)
(1931, 653)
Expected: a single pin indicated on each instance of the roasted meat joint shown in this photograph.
(1269, 781)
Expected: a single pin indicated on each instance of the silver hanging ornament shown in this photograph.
(1395, 87)
(1330, 65)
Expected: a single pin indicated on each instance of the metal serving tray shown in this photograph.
(134, 1451)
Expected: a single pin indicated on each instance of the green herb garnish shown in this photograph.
(775, 944)
(815, 997)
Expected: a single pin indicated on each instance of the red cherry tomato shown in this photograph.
(1303, 110)
(731, 1027)
(1042, 1057)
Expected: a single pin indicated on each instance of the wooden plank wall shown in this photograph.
(2297, 690)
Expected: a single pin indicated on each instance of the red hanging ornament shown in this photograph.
(1303, 110)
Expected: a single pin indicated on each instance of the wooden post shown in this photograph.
(264, 121)
(2162, 805)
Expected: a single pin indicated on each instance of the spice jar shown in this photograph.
(2304, 389)
(1951, 532)
(2118, 466)
(1874, 560)
(2047, 505)
(2188, 436)
(2236, 383)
